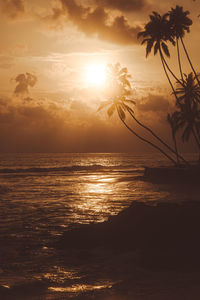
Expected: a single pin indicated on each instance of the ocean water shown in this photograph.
(43, 195)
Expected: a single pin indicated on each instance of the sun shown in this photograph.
(96, 75)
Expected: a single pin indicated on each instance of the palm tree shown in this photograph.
(120, 102)
(157, 32)
(121, 86)
(122, 107)
(188, 103)
(172, 120)
(131, 112)
(187, 119)
(180, 23)
(188, 91)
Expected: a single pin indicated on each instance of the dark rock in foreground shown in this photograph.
(163, 236)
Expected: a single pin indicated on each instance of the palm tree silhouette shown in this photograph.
(187, 119)
(180, 23)
(120, 102)
(188, 116)
(120, 82)
(188, 91)
(157, 32)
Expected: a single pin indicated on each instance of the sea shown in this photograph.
(44, 195)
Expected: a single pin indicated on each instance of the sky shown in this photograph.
(48, 99)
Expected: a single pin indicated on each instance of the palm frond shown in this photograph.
(149, 47)
(156, 48)
(121, 112)
(165, 49)
(103, 105)
(130, 101)
(128, 108)
(111, 110)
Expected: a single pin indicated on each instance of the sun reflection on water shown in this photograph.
(94, 194)
(60, 280)
(60, 275)
(77, 288)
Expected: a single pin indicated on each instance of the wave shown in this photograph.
(55, 169)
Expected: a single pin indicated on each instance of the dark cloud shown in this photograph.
(96, 21)
(24, 81)
(154, 103)
(50, 127)
(12, 8)
(123, 5)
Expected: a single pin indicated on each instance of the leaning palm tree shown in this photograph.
(121, 85)
(122, 107)
(157, 32)
(180, 23)
(173, 122)
(120, 102)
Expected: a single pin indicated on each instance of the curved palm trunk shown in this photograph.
(163, 64)
(168, 68)
(179, 58)
(190, 61)
(157, 137)
(148, 142)
(175, 146)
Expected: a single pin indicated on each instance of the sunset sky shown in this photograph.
(59, 44)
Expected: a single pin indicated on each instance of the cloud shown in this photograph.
(122, 5)
(12, 8)
(6, 62)
(96, 21)
(152, 110)
(47, 126)
(24, 81)
(153, 103)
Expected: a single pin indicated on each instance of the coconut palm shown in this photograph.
(172, 120)
(188, 92)
(157, 32)
(120, 85)
(121, 106)
(120, 102)
(180, 23)
(188, 119)
(188, 105)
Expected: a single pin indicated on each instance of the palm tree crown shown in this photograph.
(156, 33)
(188, 120)
(119, 101)
(189, 91)
(119, 91)
(188, 115)
(179, 21)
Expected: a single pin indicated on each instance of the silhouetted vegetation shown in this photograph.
(121, 103)
(158, 33)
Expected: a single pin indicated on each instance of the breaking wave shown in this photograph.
(55, 169)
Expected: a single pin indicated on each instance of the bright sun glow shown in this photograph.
(96, 74)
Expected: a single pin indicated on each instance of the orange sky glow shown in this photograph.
(53, 57)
